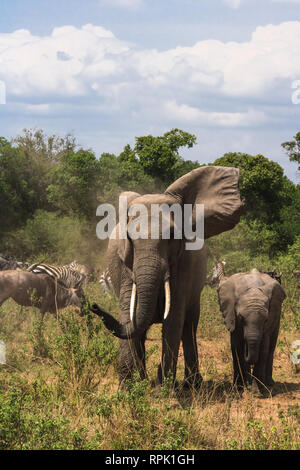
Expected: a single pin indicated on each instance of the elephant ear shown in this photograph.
(226, 294)
(125, 250)
(217, 188)
(276, 295)
(274, 288)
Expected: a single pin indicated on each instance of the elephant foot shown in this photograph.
(240, 382)
(166, 388)
(270, 382)
(261, 389)
(238, 388)
(256, 388)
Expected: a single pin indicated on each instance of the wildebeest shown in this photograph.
(41, 291)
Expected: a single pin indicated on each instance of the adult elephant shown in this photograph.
(160, 280)
(251, 307)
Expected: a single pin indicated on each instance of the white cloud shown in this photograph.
(91, 68)
(233, 3)
(249, 69)
(37, 108)
(190, 114)
(58, 65)
(131, 4)
(285, 1)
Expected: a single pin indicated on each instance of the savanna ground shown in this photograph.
(59, 388)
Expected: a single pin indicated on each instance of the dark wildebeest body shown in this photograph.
(41, 291)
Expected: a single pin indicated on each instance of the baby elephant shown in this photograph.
(251, 307)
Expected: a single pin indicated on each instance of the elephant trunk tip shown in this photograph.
(97, 310)
(251, 354)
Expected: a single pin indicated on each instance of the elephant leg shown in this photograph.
(241, 370)
(132, 352)
(259, 369)
(171, 333)
(189, 341)
(132, 358)
(3, 298)
(269, 365)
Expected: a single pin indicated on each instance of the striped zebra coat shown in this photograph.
(105, 282)
(64, 275)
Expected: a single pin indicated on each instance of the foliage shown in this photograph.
(261, 184)
(159, 156)
(22, 185)
(292, 149)
(272, 208)
(50, 188)
(49, 237)
(74, 182)
(59, 390)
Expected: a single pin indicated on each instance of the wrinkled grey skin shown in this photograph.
(251, 307)
(149, 263)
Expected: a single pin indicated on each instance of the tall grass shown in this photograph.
(59, 389)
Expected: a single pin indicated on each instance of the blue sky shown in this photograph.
(111, 70)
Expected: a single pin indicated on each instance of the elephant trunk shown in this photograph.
(252, 345)
(148, 277)
(141, 300)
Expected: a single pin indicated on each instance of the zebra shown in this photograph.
(105, 281)
(218, 275)
(84, 269)
(65, 275)
(74, 265)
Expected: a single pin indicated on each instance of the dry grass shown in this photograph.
(59, 389)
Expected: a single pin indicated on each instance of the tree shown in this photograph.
(42, 147)
(23, 182)
(73, 183)
(293, 149)
(152, 164)
(159, 156)
(261, 184)
(270, 201)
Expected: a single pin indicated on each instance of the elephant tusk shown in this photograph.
(132, 301)
(168, 299)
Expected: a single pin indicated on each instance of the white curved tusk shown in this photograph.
(132, 301)
(167, 299)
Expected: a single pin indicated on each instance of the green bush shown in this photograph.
(50, 237)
